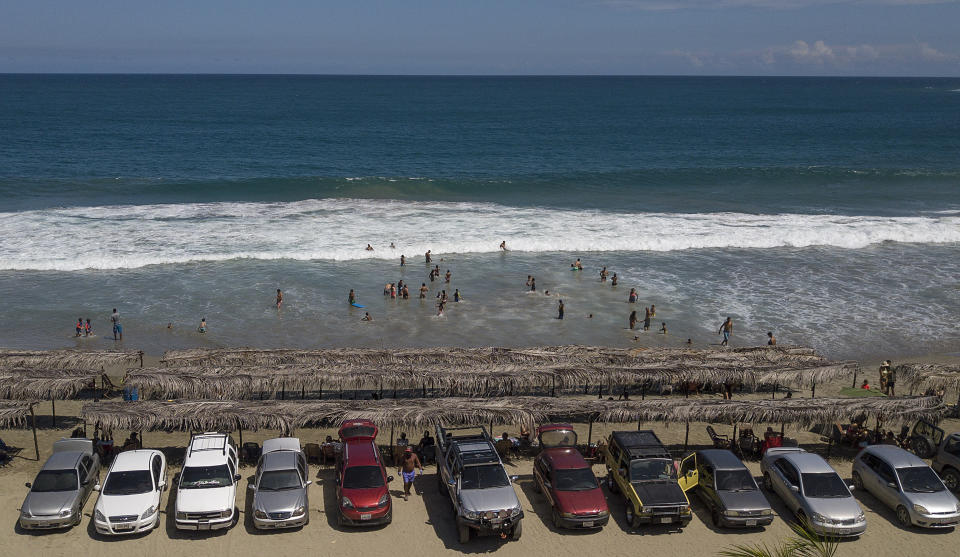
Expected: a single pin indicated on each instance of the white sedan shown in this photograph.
(129, 500)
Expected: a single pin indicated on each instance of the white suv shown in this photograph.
(207, 490)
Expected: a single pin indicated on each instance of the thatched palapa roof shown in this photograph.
(924, 376)
(43, 383)
(75, 359)
(205, 415)
(13, 413)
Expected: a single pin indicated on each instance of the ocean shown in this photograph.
(825, 210)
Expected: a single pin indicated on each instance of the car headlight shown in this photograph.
(766, 512)
(921, 509)
(685, 509)
(226, 514)
(817, 517)
(299, 510)
(731, 513)
(861, 517)
(259, 514)
(383, 499)
(65, 513)
(472, 515)
(148, 513)
(516, 511)
(603, 513)
(568, 515)
(645, 510)
(26, 514)
(181, 515)
(98, 516)
(346, 503)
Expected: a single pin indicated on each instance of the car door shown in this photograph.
(787, 478)
(156, 471)
(708, 486)
(869, 475)
(688, 475)
(454, 477)
(889, 495)
(86, 474)
(544, 476)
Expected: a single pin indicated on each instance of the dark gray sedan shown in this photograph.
(58, 493)
(726, 487)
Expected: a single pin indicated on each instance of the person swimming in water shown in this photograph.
(367, 316)
(392, 246)
(613, 280)
(423, 290)
(503, 245)
(663, 328)
(528, 280)
(646, 320)
(406, 292)
(633, 319)
(653, 310)
(369, 247)
(633, 296)
(403, 260)
(427, 256)
(771, 340)
(279, 298)
(87, 329)
(533, 284)
(447, 277)
(603, 275)
(560, 310)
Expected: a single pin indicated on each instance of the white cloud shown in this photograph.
(818, 54)
(695, 60)
(669, 5)
(927, 52)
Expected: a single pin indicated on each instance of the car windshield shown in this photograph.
(362, 477)
(128, 483)
(580, 479)
(919, 479)
(651, 469)
(196, 477)
(55, 480)
(280, 480)
(483, 476)
(735, 480)
(824, 485)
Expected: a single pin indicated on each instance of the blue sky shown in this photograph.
(712, 37)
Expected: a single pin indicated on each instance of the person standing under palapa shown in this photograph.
(891, 380)
(884, 375)
(726, 330)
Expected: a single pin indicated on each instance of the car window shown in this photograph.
(128, 482)
(735, 480)
(483, 476)
(157, 468)
(869, 461)
(687, 465)
(579, 479)
(55, 480)
(280, 480)
(198, 477)
(885, 471)
(824, 485)
(614, 452)
(361, 477)
(301, 468)
(83, 471)
(232, 470)
(953, 446)
(544, 471)
(789, 472)
(919, 479)
(88, 464)
(651, 469)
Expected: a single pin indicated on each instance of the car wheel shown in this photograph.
(921, 447)
(951, 479)
(517, 531)
(556, 518)
(536, 486)
(629, 513)
(857, 481)
(715, 517)
(767, 482)
(803, 520)
(464, 533)
(903, 517)
(611, 483)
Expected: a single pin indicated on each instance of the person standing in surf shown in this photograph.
(88, 330)
(352, 298)
(503, 245)
(279, 299)
(79, 326)
(533, 284)
(423, 290)
(603, 275)
(771, 340)
(560, 310)
(403, 260)
(117, 327)
(646, 320)
(633, 296)
(633, 319)
(427, 256)
(726, 330)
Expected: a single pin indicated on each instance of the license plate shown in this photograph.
(588, 524)
(666, 520)
(365, 516)
(751, 523)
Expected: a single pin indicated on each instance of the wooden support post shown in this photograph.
(829, 446)
(686, 438)
(283, 390)
(553, 388)
(84, 428)
(53, 410)
(773, 395)
(141, 358)
(393, 457)
(33, 420)
(589, 432)
(733, 439)
(240, 435)
(782, 426)
(855, 370)
(813, 390)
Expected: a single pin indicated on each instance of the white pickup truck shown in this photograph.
(207, 489)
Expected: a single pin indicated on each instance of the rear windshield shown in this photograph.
(735, 480)
(362, 477)
(196, 477)
(580, 479)
(651, 469)
(483, 476)
(128, 483)
(55, 480)
(558, 438)
(357, 431)
(824, 485)
(280, 480)
(919, 479)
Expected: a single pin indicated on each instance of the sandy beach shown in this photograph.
(424, 525)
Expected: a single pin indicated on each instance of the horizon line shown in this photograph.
(477, 75)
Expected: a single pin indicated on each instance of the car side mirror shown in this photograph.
(28, 484)
(514, 478)
(623, 471)
(890, 484)
(336, 480)
(389, 479)
(452, 482)
(794, 489)
(236, 477)
(308, 483)
(251, 485)
(162, 485)
(96, 487)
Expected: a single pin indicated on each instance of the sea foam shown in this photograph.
(131, 236)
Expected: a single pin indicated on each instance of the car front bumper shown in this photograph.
(374, 517)
(584, 522)
(124, 528)
(745, 521)
(47, 522)
(271, 524)
(488, 527)
(204, 525)
(839, 530)
(666, 519)
(935, 520)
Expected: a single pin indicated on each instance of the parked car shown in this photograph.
(641, 468)
(207, 490)
(904, 482)
(280, 498)
(361, 477)
(129, 501)
(946, 462)
(567, 481)
(925, 438)
(60, 490)
(728, 489)
(471, 474)
(813, 491)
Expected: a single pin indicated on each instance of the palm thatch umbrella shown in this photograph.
(69, 358)
(287, 415)
(13, 413)
(928, 376)
(44, 383)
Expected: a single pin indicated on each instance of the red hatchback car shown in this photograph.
(361, 478)
(564, 477)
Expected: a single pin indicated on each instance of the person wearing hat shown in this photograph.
(884, 375)
(408, 469)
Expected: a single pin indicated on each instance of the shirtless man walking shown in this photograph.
(726, 330)
(407, 469)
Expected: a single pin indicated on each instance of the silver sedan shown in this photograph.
(813, 491)
(280, 486)
(904, 482)
(58, 493)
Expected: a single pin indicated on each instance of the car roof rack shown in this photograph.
(476, 452)
(210, 435)
(482, 435)
(641, 444)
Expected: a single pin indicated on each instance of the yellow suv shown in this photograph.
(639, 467)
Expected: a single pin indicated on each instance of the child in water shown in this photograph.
(203, 325)
(79, 326)
(663, 327)
(87, 329)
